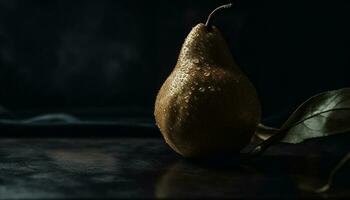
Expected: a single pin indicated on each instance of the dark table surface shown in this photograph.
(146, 167)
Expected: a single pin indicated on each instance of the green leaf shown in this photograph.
(322, 115)
(325, 114)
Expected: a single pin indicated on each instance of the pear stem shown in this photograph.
(214, 11)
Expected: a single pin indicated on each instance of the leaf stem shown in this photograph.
(264, 132)
(328, 185)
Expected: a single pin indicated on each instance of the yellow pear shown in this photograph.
(207, 106)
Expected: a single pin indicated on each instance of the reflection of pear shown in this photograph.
(186, 180)
(207, 105)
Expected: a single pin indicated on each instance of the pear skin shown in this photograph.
(207, 106)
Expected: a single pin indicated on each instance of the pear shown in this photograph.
(207, 106)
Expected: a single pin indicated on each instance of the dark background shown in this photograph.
(113, 56)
